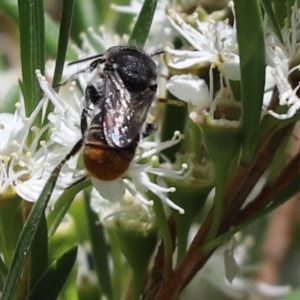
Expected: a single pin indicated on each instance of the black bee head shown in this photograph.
(136, 69)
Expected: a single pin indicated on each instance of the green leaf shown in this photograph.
(64, 32)
(175, 118)
(86, 15)
(39, 252)
(51, 283)
(250, 38)
(99, 249)
(267, 5)
(27, 236)
(11, 224)
(32, 44)
(280, 11)
(3, 273)
(63, 204)
(142, 26)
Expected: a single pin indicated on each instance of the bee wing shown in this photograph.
(124, 113)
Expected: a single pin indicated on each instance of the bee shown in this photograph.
(118, 97)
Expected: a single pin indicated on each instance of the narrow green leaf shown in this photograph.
(39, 253)
(3, 273)
(280, 11)
(99, 249)
(64, 32)
(175, 118)
(32, 44)
(62, 205)
(52, 32)
(142, 26)
(267, 5)
(250, 38)
(27, 236)
(51, 283)
(11, 224)
(289, 5)
(85, 15)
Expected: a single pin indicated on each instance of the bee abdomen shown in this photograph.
(106, 163)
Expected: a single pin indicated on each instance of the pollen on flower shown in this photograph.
(193, 116)
(45, 165)
(154, 159)
(176, 133)
(172, 189)
(14, 143)
(35, 129)
(21, 164)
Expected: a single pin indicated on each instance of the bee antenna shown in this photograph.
(157, 53)
(85, 59)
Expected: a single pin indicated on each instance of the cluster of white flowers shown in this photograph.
(27, 168)
(214, 43)
(66, 131)
(281, 57)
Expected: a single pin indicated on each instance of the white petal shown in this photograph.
(231, 68)
(65, 132)
(109, 190)
(31, 189)
(232, 269)
(181, 59)
(189, 88)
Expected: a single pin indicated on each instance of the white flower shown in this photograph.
(191, 89)
(128, 209)
(24, 167)
(67, 116)
(281, 59)
(214, 42)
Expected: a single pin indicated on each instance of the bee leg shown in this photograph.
(149, 129)
(74, 76)
(79, 180)
(74, 150)
(83, 123)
